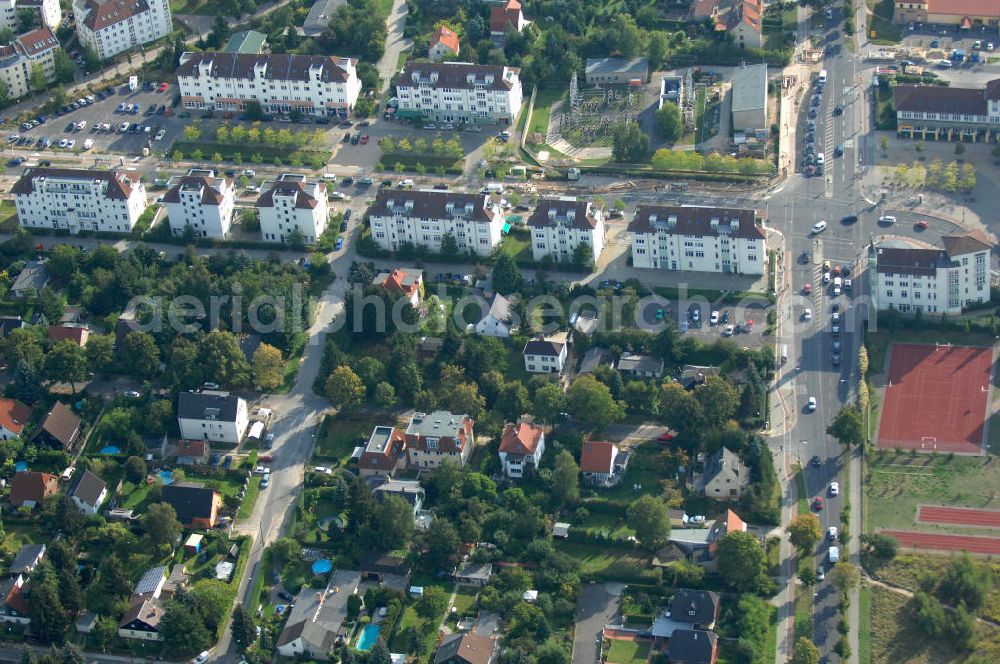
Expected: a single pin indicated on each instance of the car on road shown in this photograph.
(356, 138)
(807, 314)
(364, 139)
(835, 358)
(16, 161)
(921, 225)
(813, 114)
(339, 245)
(849, 219)
(834, 488)
(811, 404)
(819, 226)
(838, 110)
(887, 219)
(820, 573)
(838, 151)
(698, 519)
(201, 658)
(132, 394)
(831, 533)
(807, 289)
(818, 503)
(804, 258)
(163, 87)
(820, 159)
(728, 330)
(817, 460)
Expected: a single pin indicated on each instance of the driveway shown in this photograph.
(599, 606)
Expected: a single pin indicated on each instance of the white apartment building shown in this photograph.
(560, 225)
(78, 200)
(291, 204)
(213, 416)
(310, 84)
(19, 57)
(459, 92)
(700, 239)
(111, 27)
(202, 201)
(423, 217)
(544, 356)
(932, 279)
(49, 13)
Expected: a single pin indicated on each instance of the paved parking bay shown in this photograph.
(599, 604)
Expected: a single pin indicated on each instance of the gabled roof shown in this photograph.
(543, 347)
(640, 363)
(939, 99)
(446, 37)
(636, 67)
(729, 522)
(75, 333)
(14, 415)
(61, 424)
(190, 501)
(421, 204)
(457, 75)
(288, 185)
(192, 448)
(692, 646)
(597, 456)
(521, 438)
(117, 184)
(568, 212)
(207, 187)
(88, 487)
(966, 243)
(988, 8)
(725, 462)
(469, 647)
(150, 580)
(319, 638)
(696, 220)
(26, 559)
(148, 612)
(501, 309)
(909, 260)
(37, 41)
(32, 275)
(32, 486)
(207, 406)
(694, 606)
(398, 281)
(101, 14)
(273, 66)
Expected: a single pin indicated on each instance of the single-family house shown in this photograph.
(504, 15)
(633, 365)
(10, 323)
(467, 648)
(29, 488)
(443, 44)
(88, 492)
(700, 608)
(401, 283)
(431, 438)
(27, 559)
(306, 637)
(59, 427)
(142, 620)
(13, 416)
(317, 619)
(693, 375)
(196, 506)
(602, 462)
(14, 600)
(151, 583)
(192, 452)
(544, 356)
(30, 280)
(390, 569)
(78, 334)
(726, 477)
(384, 453)
(693, 646)
(521, 448)
(428, 348)
(474, 574)
(213, 416)
(499, 321)
(408, 490)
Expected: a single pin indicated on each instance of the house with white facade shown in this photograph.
(459, 92)
(560, 225)
(13, 416)
(932, 279)
(544, 356)
(948, 113)
(521, 449)
(292, 204)
(443, 44)
(700, 239)
(217, 417)
(49, 13)
(499, 320)
(422, 218)
(19, 58)
(111, 27)
(142, 620)
(79, 200)
(323, 85)
(744, 23)
(88, 492)
(201, 201)
(432, 438)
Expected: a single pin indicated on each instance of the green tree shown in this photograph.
(845, 576)
(220, 351)
(432, 603)
(36, 78)
(344, 388)
(719, 400)
(135, 470)
(244, 627)
(963, 628)
(565, 480)
(23, 344)
(449, 247)
(139, 354)
(268, 367)
(286, 551)
(50, 303)
(182, 629)
(805, 651)
(160, 524)
(66, 362)
(391, 526)
(583, 257)
(385, 395)
(507, 277)
(882, 547)
(670, 122)
(629, 143)
(100, 352)
(804, 532)
(930, 615)
(548, 403)
(69, 590)
(741, 558)
(848, 427)
(48, 617)
(648, 517)
(590, 402)
(967, 581)
(442, 545)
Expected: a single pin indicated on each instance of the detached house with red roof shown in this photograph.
(432, 438)
(744, 24)
(603, 463)
(400, 282)
(75, 200)
(521, 449)
(29, 489)
(384, 454)
(443, 44)
(13, 416)
(114, 26)
(78, 334)
(292, 204)
(14, 601)
(506, 14)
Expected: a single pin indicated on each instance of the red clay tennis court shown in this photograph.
(936, 398)
(958, 516)
(911, 540)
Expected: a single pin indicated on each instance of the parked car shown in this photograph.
(819, 227)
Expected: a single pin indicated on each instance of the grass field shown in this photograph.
(906, 571)
(899, 482)
(340, 437)
(543, 109)
(896, 636)
(249, 499)
(7, 214)
(16, 535)
(608, 523)
(881, 28)
(596, 559)
(627, 652)
(134, 497)
(202, 7)
(864, 625)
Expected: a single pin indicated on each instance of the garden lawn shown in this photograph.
(249, 499)
(543, 109)
(613, 525)
(134, 497)
(864, 625)
(882, 29)
(340, 437)
(465, 601)
(410, 631)
(601, 560)
(7, 214)
(16, 535)
(627, 652)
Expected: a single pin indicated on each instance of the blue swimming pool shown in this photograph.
(110, 449)
(166, 477)
(369, 635)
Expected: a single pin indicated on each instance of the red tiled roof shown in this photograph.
(520, 438)
(37, 41)
(13, 415)
(194, 448)
(68, 333)
(104, 14)
(597, 457)
(16, 600)
(989, 8)
(32, 486)
(446, 37)
(500, 16)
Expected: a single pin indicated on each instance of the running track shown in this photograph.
(958, 516)
(912, 540)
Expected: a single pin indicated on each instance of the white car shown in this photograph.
(834, 488)
(811, 404)
(80, 125)
(63, 142)
(201, 658)
(807, 314)
(697, 519)
(887, 219)
(820, 158)
(831, 533)
(714, 318)
(160, 134)
(820, 573)
(819, 226)
(728, 330)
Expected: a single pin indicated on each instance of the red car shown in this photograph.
(364, 138)
(818, 503)
(922, 225)
(163, 87)
(170, 111)
(265, 458)
(807, 289)
(665, 436)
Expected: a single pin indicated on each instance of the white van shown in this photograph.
(493, 188)
(87, 144)
(784, 353)
(820, 158)
(822, 77)
(330, 177)
(838, 285)
(834, 555)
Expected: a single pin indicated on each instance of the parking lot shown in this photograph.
(743, 324)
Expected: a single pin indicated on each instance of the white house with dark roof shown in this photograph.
(725, 478)
(700, 239)
(948, 112)
(110, 27)
(88, 492)
(291, 203)
(201, 201)
(217, 417)
(634, 365)
(27, 559)
(142, 620)
(280, 83)
(77, 200)
(521, 448)
(499, 320)
(19, 57)
(544, 356)
(932, 279)
(459, 92)
(423, 217)
(560, 225)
